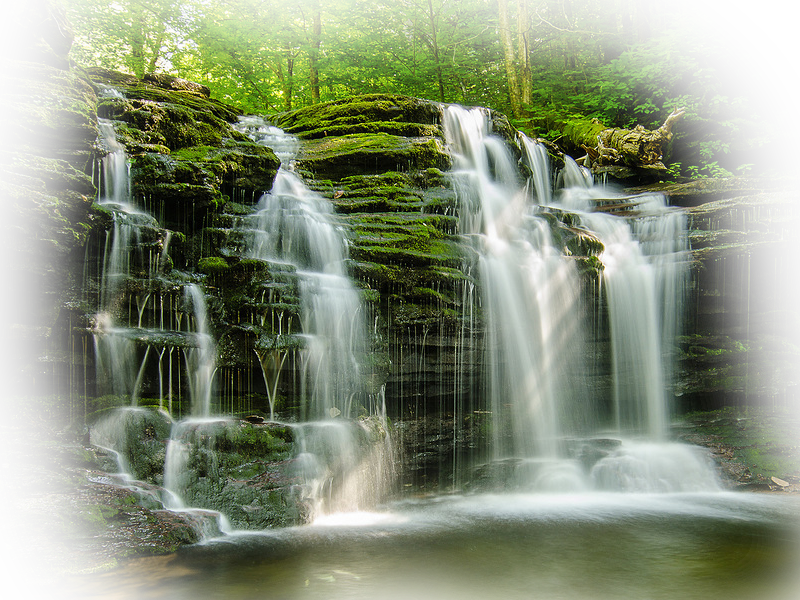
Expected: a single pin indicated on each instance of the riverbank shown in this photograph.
(67, 513)
(754, 448)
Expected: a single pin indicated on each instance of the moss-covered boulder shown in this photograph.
(62, 515)
(245, 470)
(49, 111)
(367, 134)
(187, 158)
(370, 113)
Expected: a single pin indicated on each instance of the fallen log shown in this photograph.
(638, 147)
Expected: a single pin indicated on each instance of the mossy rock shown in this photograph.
(720, 369)
(763, 210)
(164, 89)
(49, 131)
(761, 440)
(49, 111)
(371, 113)
(371, 153)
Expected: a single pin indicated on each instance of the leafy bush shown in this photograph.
(693, 64)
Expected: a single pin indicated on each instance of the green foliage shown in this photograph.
(690, 64)
(133, 35)
(212, 265)
(609, 61)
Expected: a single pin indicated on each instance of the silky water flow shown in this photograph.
(337, 463)
(294, 225)
(599, 503)
(536, 349)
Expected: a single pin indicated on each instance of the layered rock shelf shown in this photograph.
(382, 163)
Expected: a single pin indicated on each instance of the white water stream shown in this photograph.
(294, 225)
(532, 307)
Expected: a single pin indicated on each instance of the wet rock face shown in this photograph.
(48, 125)
(59, 516)
(382, 163)
(187, 160)
(740, 346)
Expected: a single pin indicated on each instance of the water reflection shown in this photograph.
(589, 546)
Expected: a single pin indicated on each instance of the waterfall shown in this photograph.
(130, 319)
(295, 225)
(532, 306)
(200, 358)
(529, 290)
(344, 465)
(115, 347)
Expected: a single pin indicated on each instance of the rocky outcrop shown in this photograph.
(60, 517)
(48, 124)
(187, 161)
(382, 163)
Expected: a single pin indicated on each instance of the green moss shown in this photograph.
(583, 131)
(85, 520)
(212, 265)
(399, 115)
(347, 155)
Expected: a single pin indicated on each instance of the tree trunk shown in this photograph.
(524, 49)
(637, 147)
(155, 48)
(313, 56)
(136, 58)
(509, 57)
(570, 48)
(435, 48)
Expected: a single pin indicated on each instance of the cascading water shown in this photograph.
(294, 225)
(530, 293)
(134, 258)
(115, 348)
(130, 281)
(200, 357)
(324, 464)
(532, 308)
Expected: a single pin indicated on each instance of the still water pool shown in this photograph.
(582, 546)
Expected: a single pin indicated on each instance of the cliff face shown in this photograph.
(46, 156)
(741, 348)
(185, 160)
(381, 162)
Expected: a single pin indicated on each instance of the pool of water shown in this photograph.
(581, 546)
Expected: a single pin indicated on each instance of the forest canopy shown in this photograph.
(548, 64)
